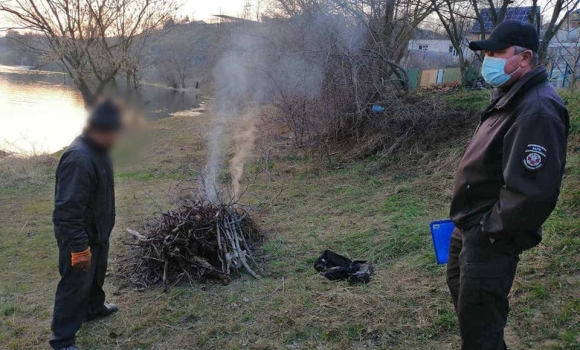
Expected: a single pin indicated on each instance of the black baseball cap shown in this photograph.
(509, 33)
(106, 116)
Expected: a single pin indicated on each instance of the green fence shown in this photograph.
(452, 74)
(414, 77)
(425, 78)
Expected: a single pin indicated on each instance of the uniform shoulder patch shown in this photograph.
(535, 157)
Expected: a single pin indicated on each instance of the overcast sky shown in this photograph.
(199, 9)
(204, 9)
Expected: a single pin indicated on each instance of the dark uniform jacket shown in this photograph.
(509, 178)
(84, 211)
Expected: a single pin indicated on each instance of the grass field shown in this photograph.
(351, 208)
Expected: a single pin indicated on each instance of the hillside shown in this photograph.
(8, 56)
(192, 46)
(357, 208)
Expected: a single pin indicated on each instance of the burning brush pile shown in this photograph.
(198, 240)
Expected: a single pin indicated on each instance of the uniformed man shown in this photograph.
(507, 182)
(84, 215)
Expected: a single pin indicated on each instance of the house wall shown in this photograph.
(478, 36)
(562, 57)
(432, 45)
(567, 35)
(574, 19)
(441, 50)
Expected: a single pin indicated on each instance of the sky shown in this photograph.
(203, 9)
(198, 9)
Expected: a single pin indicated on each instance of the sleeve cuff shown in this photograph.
(79, 248)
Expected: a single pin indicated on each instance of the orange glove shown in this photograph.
(82, 260)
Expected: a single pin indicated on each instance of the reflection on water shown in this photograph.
(38, 113)
(41, 112)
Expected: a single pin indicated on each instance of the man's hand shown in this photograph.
(82, 260)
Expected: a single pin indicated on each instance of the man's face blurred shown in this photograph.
(105, 139)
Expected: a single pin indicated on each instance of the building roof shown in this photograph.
(419, 34)
(523, 14)
(234, 19)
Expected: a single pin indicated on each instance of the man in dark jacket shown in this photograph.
(507, 183)
(84, 215)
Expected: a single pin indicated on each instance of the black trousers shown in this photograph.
(480, 275)
(78, 294)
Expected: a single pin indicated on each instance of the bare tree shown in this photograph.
(92, 40)
(187, 52)
(456, 17)
(564, 57)
(247, 10)
(252, 10)
(138, 60)
(557, 12)
(331, 69)
(497, 10)
(177, 67)
(391, 26)
(258, 8)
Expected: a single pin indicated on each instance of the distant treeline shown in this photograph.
(9, 56)
(179, 57)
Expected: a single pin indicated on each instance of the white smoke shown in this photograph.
(263, 64)
(244, 142)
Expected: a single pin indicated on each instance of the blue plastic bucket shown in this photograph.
(441, 231)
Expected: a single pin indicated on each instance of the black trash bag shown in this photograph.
(330, 259)
(336, 267)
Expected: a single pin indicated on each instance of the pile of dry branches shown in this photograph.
(198, 240)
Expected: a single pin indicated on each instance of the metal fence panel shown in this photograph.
(451, 75)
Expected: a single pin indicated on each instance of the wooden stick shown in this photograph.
(137, 235)
(219, 239)
(242, 255)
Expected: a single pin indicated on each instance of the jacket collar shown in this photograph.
(92, 144)
(536, 76)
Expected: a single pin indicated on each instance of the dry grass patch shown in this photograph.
(17, 172)
(354, 208)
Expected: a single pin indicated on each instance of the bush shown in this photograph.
(332, 85)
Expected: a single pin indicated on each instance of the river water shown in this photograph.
(41, 112)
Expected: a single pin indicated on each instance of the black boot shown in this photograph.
(104, 311)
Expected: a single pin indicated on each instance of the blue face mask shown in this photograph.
(493, 71)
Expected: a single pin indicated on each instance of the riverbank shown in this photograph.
(42, 112)
(379, 216)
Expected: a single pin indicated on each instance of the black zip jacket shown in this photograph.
(84, 202)
(509, 178)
